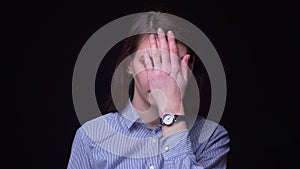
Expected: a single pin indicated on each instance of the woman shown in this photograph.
(148, 127)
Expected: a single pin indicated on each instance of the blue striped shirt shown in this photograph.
(122, 140)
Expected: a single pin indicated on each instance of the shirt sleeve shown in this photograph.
(178, 152)
(79, 158)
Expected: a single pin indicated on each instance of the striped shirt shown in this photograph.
(122, 140)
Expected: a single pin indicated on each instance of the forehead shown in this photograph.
(144, 44)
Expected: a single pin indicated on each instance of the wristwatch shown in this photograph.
(168, 119)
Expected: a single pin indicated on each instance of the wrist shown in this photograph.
(174, 110)
(172, 122)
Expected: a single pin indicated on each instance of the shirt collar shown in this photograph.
(130, 115)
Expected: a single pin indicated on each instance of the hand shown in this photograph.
(167, 77)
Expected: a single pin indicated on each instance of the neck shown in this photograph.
(148, 113)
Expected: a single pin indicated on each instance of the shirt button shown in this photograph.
(166, 148)
(153, 140)
(151, 167)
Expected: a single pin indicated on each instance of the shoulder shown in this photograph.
(206, 131)
(99, 128)
(210, 143)
(99, 121)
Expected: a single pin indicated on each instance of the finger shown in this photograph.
(185, 67)
(148, 62)
(164, 50)
(154, 52)
(173, 53)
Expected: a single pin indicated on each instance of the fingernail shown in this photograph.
(188, 57)
(160, 31)
(170, 33)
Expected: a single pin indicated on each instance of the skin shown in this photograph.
(160, 80)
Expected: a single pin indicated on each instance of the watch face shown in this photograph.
(168, 119)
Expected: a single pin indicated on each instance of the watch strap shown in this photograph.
(179, 118)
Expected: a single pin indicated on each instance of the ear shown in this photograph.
(129, 69)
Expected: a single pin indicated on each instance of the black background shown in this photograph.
(257, 43)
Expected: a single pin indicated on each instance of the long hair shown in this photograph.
(149, 22)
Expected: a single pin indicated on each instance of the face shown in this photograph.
(137, 69)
